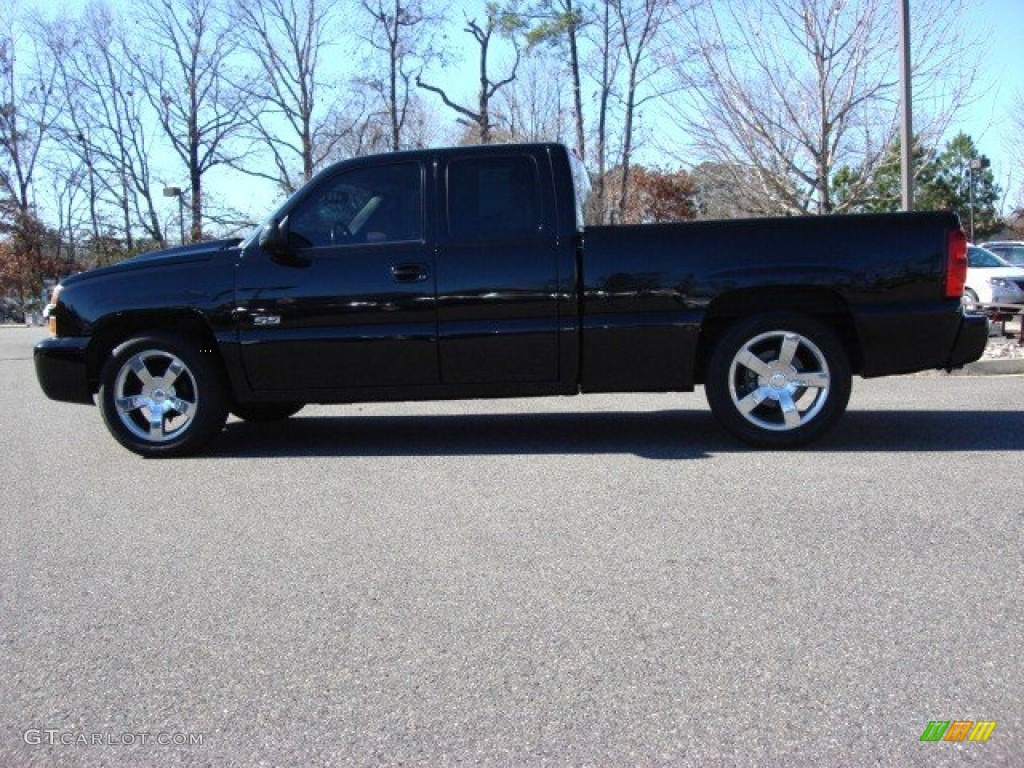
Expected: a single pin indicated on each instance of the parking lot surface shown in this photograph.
(606, 580)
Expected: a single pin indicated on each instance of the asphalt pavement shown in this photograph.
(606, 580)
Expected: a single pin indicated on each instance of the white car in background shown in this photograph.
(991, 280)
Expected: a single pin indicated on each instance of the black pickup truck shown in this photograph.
(464, 273)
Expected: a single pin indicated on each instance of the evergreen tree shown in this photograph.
(882, 191)
(952, 188)
(942, 181)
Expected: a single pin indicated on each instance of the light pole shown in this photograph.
(176, 192)
(976, 164)
(906, 130)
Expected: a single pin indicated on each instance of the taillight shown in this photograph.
(956, 264)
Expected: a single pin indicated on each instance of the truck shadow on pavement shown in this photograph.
(665, 435)
(655, 435)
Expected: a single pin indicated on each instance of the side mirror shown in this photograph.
(274, 237)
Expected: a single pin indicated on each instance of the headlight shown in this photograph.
(1001, 282)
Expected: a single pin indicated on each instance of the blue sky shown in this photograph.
(996, 120)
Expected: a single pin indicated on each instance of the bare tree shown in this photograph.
(561, 22)
(401, 35)
(29, 103)
(622, 65)
(184, 71)
(602, 68)
(508, 25)
(613, 44)
(780, 93)
(67, 187)
(638, 24)
(107, 124)
(1017, 217)
(82, 127)
(534, 108)
(296, 117)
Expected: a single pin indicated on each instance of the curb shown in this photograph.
(1014, 366)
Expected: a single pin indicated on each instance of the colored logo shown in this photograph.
(958, 730)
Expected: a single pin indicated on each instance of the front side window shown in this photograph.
(493, 198)
(382, 204)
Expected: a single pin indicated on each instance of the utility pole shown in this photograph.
(907, 140)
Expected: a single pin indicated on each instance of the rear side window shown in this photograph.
(493, 198)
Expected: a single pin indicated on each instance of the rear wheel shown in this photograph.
(161, 396)
(778, 381)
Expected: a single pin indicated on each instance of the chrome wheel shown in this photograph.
(163, 395)
(779, 380)
(155, 395)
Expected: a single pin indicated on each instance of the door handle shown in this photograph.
(409, 273)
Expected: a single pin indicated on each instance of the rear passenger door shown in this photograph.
(497, 270)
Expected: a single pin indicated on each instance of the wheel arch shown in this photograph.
(112, 331)
(822, 304)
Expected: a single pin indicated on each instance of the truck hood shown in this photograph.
(168, 256)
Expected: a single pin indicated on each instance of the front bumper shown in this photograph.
(62, 369)
(970, 341)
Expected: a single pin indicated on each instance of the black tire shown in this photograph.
(778, 381)
(160, 395)
(260, 413)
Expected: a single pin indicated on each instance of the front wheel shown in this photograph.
(162, 396)
(778, 381)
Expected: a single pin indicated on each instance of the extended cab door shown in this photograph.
(352, 301)
(498, 269)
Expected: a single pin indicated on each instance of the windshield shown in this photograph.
(1011, 253)
(253, 236)
(980, 258)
